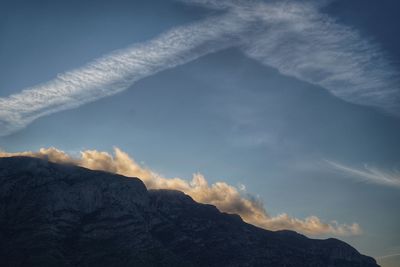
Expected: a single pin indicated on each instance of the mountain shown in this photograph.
(62, 215)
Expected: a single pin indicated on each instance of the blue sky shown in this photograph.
(299, 102)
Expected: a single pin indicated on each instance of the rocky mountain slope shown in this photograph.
(58, 215)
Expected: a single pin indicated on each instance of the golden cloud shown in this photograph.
(225, 197)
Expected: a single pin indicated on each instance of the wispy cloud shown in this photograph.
(292, 36)
(302, 42)
(369, 174)
(117, 71)
(388, 256)
(225, 197)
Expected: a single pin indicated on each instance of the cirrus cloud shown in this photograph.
(369, 174)
(294, 37)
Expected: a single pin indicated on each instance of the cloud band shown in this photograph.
(291, 36)
(225, 197)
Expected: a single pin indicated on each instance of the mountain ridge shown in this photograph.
(57, 214)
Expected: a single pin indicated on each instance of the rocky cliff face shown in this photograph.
(57, 215)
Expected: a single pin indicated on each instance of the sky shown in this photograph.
(292, 107)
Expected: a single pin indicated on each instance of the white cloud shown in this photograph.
(301, 42)
(292, 36)
(369, 174)
(225, 197)
(115, 72)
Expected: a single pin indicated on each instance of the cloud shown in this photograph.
(225, 197)
(292, 36)
(299, 40)
(369, 174)
(116, 71)
(388, 256)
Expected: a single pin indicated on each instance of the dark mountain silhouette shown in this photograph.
(60, 215)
